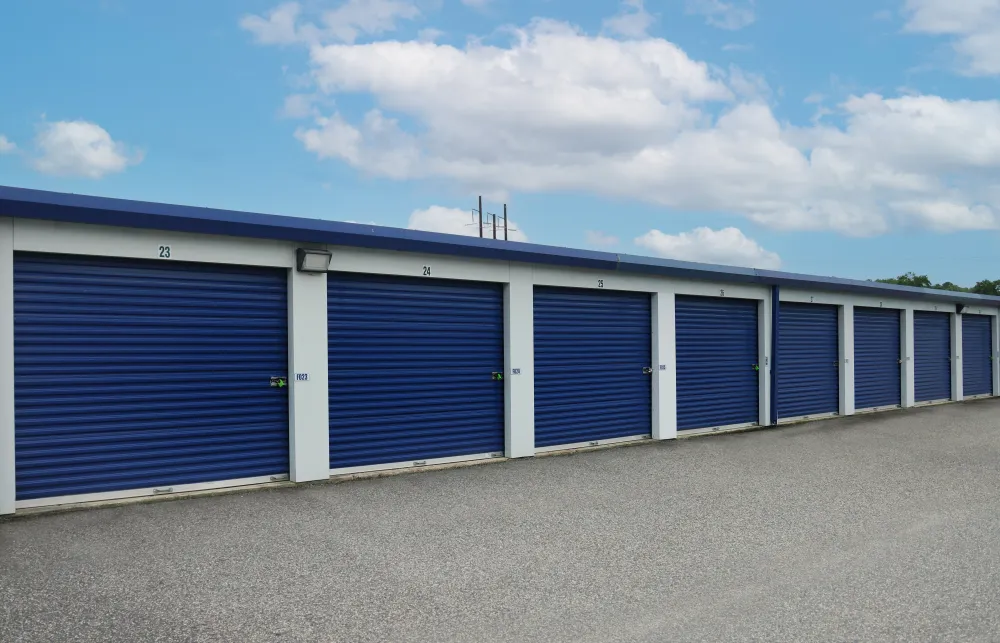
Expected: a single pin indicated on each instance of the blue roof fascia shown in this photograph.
(685, 269)
(874, 288)
(73, 208)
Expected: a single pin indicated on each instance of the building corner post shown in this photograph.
(957, 383)
(7, 473)
(519, 362)
(995, 354)
(309, 397)
(907, 358)
(664, 367)
(846, 348)
(775, 343)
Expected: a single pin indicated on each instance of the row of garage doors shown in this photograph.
(132, 374)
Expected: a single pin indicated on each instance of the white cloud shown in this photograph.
(946, 216)
(356, 17)
(598, 239)
(430, 34)
(556, 109)
(632, 20)
(724, 15)
(6, 145)
(277, 28)
(454, 221)
(974, 26)
(80, 148)
(346, 23)
(299, 106)
(728, 246)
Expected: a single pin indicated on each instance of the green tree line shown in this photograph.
(984, 287)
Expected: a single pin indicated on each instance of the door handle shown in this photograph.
(279, 382)
(646, 370)
(496, 376)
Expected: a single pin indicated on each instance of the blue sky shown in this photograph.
(852, 138)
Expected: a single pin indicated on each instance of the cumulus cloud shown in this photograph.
(973, 25)
(557, 109)
(277, 27)
(454, 221)
(284, 25)
(728, 246)
(299, 106)
(724, 15)
(430, 34)
(598, 239)
(80, 148)
(632, 20)
(6, 145)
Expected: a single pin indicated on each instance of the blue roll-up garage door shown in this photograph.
(135, 374)
(411, 369)
(977, 355)
(591, 351)
(717, 370)
(808, 377)
(931, 356)
(876, 358)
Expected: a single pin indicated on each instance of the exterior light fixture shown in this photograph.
(309, 260)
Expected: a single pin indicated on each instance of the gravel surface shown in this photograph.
(881, 527)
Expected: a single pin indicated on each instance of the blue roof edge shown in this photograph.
(75, 208)
(838, 284)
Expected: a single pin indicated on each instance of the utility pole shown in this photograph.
(479, 219)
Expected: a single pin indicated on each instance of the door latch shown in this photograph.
(497, 376)
(646, 370)
(755, 367)
(279, 382)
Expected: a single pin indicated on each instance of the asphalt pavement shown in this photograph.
(871, 528)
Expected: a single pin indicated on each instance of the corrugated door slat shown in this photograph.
(135, 374)
(977, 351)
(590, 351)
(717, 384)
(931, 356)
(876, 358)
(808, 377)
(410, 369)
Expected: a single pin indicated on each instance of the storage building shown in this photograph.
(155, 349)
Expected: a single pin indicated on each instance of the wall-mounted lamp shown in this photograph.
(960, 308)
(309, 260)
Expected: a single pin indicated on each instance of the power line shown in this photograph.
(491, 222)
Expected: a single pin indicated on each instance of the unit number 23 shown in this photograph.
(164, 252)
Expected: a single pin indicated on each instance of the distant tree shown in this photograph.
(984, 287)
(987, 287)
(950, 286)
(908, 279)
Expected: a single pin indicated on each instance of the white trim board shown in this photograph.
(148, 492)
(414, 464)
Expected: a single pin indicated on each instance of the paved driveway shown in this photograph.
(883, 527)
